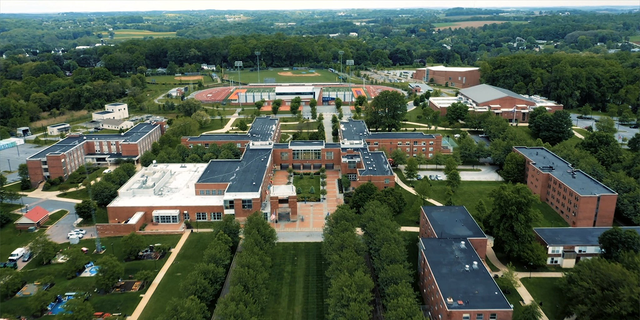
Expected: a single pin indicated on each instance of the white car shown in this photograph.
(73, 234)
(82, 231)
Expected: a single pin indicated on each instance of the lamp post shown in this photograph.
(258, 62)
(350, 64)
(340, 53)
(238, 64)
(530, 267)
(112, 249)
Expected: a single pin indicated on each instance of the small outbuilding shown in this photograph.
(36, 217)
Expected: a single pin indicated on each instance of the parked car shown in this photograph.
(74, 234)
(27, 256)
(9, 264)
(419, 177)
(17, 254)
(82, 231)
(107, 171)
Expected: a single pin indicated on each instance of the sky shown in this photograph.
(54, 6)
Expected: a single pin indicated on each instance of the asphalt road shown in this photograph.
(10, 160)
(58, 232)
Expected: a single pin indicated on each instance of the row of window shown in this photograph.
(211, 192)
(307, 155)
(408, 143)
(247, 204)
(200, 216)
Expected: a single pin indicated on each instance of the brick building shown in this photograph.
(64, 157)
(568, 246)
(454, 283)
(507, 104)
(452, 76)
(578, 198)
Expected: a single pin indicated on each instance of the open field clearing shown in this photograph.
(473, 24)
(126, 34)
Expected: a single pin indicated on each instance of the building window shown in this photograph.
(202, 192)
(424, 149)
(408, 149)
(430, 143)
(209, 192)
(430, 148)
(206, 145)
(239, 145)
(399, 143)
(284, 155)
(220, 191)
(329, 155)
(430, 155)
(165, 219)
(407, 143)
(375, 143)
(424, 143)
(228, 204)
(351, 165)
(307, 154)
(216, 216)
(493, 316)
(247, 204)
(185, 215)
(415, 149)
(479, 316)
(466, 316)
(353, 177)
(201, 216)
(554, 261)
(415, 143)
(386, 181)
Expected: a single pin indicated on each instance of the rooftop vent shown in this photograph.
(475, 265)
(449, 300)
(463, 245)
(466, 267)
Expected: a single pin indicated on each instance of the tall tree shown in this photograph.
(43, 249)
(79, 309)
(606, 125)
(616, 241)
(398, 156)
(186, 309)
(601, 289)
(131, 245)
(456, 112)
(295, 105)
(411, 169)
(110, 271)
(275, 106)
(386, 111)
(511, 218)
(514, 168)
(453, 180)
(363, 194)
(603, 146)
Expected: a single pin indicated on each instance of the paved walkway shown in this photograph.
(577, 134)
(154, 285)
(406, 187)
(229, 124)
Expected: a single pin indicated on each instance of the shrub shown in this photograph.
(312, 190)
(323, 176)
(46, 186)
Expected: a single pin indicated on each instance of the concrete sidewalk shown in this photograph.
(406, 187)
(154, 285)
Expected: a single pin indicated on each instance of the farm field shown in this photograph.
(127, 34)
(635, 39)
(281, 76)
(473, 24)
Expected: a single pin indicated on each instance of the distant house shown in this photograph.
(36, 217)
(56, 129)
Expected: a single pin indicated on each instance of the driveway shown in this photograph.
(58, 232)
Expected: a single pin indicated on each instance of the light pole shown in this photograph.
(350, 64)
(340, 53)
(258, 61)
(238, 64)
(112, 249)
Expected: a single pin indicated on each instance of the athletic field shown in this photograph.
(181, 79)
(282, 75)
(127, 34)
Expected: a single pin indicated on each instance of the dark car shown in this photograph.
(27, 256)
(48, 286)
(635, 126)
(9, 264)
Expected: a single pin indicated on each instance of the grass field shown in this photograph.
(53, 218)
(549, 218)
(547, 291)
(127, 34)
(82, 194)
(635, 38)
(113, 302)
(298, 288)
(16, 187)
(11, 239)
(247, 76)
(410, 216)
(309, 125)
(173, 79)
(169, 287)
(513, 296)
(306, 184)
(473, 24)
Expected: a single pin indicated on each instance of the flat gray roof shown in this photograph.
(103, 112)
(401, 135)
(375, 163)
(354, 129)
(131, 136)
(484, 92)
(263, 129)
(243, 175)
(475, 288)
(574, 236)
(560, 169)
(453, 222)
(59, 125)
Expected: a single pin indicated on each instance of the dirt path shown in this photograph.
(154, 285)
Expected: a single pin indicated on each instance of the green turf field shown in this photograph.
(172, 79)
(127, 34)
(297, 288)
(297, 76)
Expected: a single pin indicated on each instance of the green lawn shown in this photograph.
(512, 296)
(215, 124)
(82, 194)
(113, 302)
(53, 218)
(298, 288)
(16, 187)
(247, 76)
(550, 218)
(8, 207)
(306, 184)
(311, 125)
(635, 38)
(468, 194)
(101, 217)
(169, 288)
(410, 216)
(11, 239)
(492, 266)
(583, 132)
(547, 291)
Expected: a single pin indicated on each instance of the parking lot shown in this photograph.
(11, 158)
(623, 131)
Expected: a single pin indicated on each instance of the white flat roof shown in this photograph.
(165, 185)
(283, 191)
(443, 68)
(292, 89)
